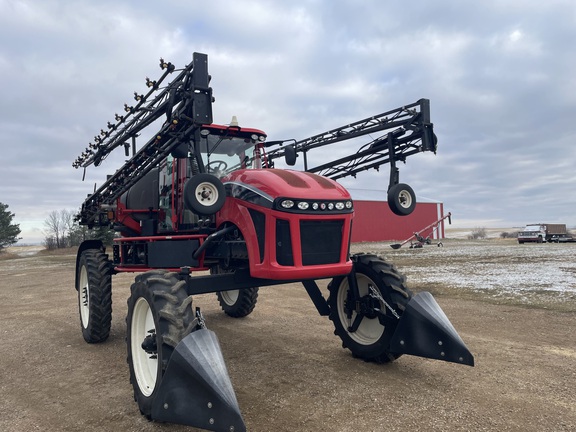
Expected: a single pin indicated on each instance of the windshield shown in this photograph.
(532, 228)
(224, 151)
(222, 155)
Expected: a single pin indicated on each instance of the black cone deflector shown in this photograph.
(424, 330)
(196, 389)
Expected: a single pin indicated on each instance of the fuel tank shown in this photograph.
(144, 194)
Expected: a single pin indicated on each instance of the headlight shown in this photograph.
(295, 205)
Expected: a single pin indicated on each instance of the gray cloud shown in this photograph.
(499, 75)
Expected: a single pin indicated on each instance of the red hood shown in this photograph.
(290, 184)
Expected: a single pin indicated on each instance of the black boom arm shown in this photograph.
(400, 133)
(186, 102)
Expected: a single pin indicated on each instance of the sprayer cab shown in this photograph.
(184, 191)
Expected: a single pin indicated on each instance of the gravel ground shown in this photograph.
(288, 369)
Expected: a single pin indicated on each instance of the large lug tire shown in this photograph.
(204, 194)
(371, 339)
(401, 199)
(159, 316)
(236, 303)
(94, 286)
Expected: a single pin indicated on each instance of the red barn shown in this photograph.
(374, 221)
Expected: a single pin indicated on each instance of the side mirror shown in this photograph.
(290, 155)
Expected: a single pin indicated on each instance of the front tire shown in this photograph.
(371, 339)
(94, 286)
(160, 315)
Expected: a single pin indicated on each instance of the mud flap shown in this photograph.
(424, 330)
(196, 389)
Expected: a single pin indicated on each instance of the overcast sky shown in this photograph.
(500, 75)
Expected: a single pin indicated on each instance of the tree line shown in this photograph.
(61, 230)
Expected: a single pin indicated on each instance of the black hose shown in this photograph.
(210, 239)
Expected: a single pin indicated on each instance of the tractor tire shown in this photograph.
(371, 340)
(94, 286)
(236, 303)
(401, 199)
(159, 316)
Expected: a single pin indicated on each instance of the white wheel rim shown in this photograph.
(230, 297)
(84, 297)
(405, 199)
(206, 194)
(370, 329)
(145, 367)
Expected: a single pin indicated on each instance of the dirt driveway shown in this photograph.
(287, 367)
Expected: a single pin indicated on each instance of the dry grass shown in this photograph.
(7, 255)
(59, 252)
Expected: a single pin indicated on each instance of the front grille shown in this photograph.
(321, 241)
(284, 254)
(259, 220)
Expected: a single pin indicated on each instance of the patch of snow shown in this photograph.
(513, 267)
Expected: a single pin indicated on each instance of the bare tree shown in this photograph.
(57, 226)
(61, 230)
(67, 217)
(53, 230)
(478, 233)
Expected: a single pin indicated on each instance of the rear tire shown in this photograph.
(160, 315)
(371, 340)
(236, 303)
(94, 286)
